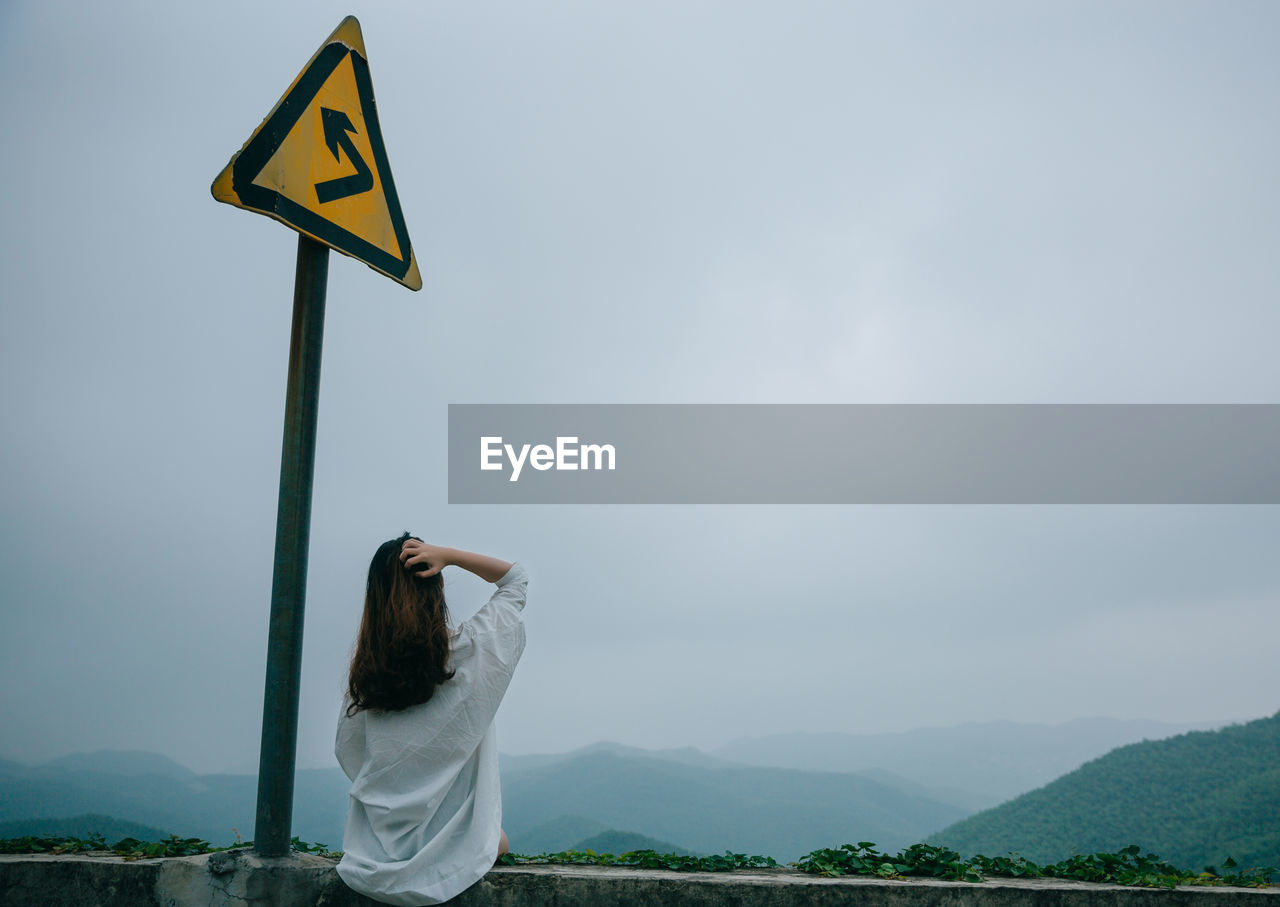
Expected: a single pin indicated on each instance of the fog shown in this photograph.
(650, 203)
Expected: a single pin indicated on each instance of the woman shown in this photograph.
(416, 732)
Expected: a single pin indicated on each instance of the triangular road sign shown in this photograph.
(317, 162)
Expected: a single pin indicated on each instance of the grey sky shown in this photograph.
(658, 202)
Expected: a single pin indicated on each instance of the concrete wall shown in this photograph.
(240, 877)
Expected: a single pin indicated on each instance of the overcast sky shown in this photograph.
(713, 202)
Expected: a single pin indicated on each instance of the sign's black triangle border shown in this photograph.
(269, 138)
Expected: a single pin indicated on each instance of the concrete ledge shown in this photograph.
(241, 877)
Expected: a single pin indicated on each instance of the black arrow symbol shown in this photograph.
(336, 126)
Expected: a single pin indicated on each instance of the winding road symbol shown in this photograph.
(336, 126)
(318, 163)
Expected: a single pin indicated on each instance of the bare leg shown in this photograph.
(503, 846)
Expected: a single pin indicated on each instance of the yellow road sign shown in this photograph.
(317, 162)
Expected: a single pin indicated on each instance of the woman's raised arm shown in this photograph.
(428, 560)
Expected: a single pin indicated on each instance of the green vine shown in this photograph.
(644, 859)
(133, 849)
(1126, 867)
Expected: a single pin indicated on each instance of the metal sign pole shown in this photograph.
(319, 145)
(289, 583)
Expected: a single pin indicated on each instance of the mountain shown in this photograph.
(132, 763)
(585, 834)
(708, 808)
(695, 801)
(975, 765)
(682, 799)
(111, 828)
(687, 755)
(620, 842)
(1194, 799)
(560, 833)
(149, 789)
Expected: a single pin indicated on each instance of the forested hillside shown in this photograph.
(1194, 799)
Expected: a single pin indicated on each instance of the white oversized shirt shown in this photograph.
(426, 805)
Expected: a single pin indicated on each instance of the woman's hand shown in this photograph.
(427, 560)
(422, 559)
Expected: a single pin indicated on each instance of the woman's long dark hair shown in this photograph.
(402, 652)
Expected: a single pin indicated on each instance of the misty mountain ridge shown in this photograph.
(549, 804)
(685, 797)
(975, 765)
(132, 763)
(783, 813)
(152, 790)
(687, 755)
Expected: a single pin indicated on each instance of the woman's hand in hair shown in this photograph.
(422, 559)
(427, 560)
